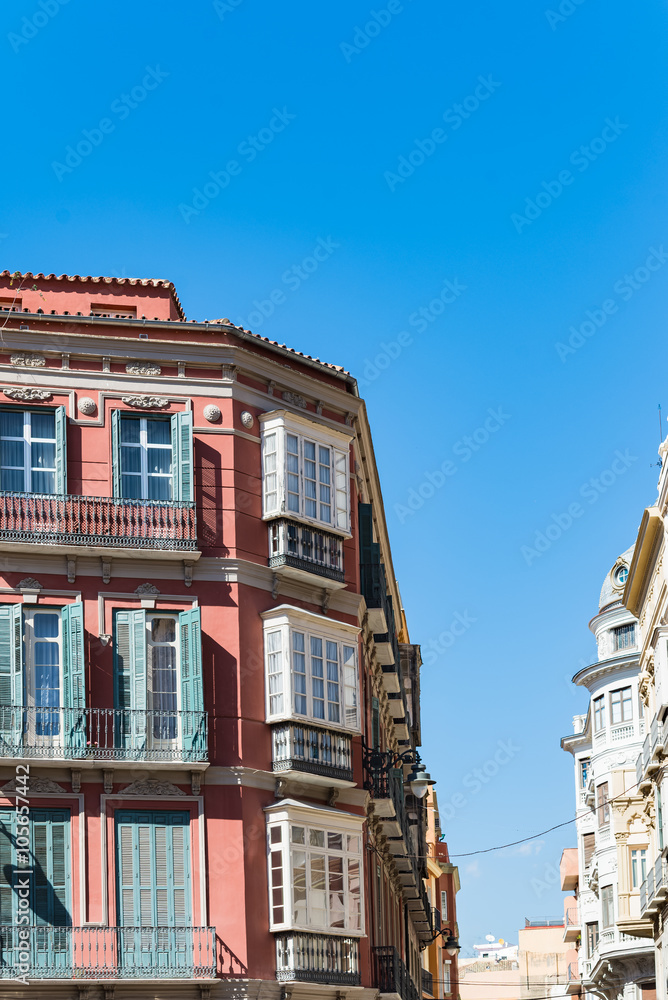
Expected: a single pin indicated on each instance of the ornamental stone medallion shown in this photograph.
(212, 413)
(247, 419)
(87, 406)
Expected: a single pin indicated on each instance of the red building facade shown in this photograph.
(206, 679)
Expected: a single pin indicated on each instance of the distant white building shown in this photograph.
(602, 917)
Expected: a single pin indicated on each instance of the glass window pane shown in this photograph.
(130, 428)
(163, 629)
(12, 453)
(43, 455)
(316, 838)
(44, 482)
(43, 425)
(131, 459)
(13, 481)
(46, 626)
(160, 488)
(158, 431)
(335, 841)
(131, 487)
(297, 834)
(11, 423)
(159, 460)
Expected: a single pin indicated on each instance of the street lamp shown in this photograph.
(377, 762)
(450, 944)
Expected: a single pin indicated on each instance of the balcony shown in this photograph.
(656, 739)
(94, 953)
(296, 747)
(374, 589)
(572, 924)
(317, 958)
(574, 984)
(391, 975)
(63, 522)
(102, 734)
(301, 551)
(427, 983)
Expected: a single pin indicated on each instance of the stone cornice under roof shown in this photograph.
(607, 666)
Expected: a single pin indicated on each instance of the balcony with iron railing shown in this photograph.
(102, 734)
(309, 749)
(391, 974)
(317, 958)
(574, 984)
(296, 549)
(571, 924)
(427, 983)
(64, 521)
(114, 953)
(654, 889)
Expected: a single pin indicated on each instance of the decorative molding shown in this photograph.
(108, 778)
(247, 419)
(23, 360)
(181, 369)
(106, 570)
(271, 385)
(150, 788)
(76, 781)
(106, 365)
(36, 785)
(28, 395)
(195, 782)
(295, 399)
(87, 406)
(146, 402)
(188, 573)
(71, 569)
(212, 413)
(30, 583)
(143, 368)
(146, 588)
(65, 361)
(318, 407)
(229, 373)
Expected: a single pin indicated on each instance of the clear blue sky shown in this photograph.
(333, 110)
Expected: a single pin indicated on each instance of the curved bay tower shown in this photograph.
(615, 955)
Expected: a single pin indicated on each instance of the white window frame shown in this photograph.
(144, 447)
(599, 706)
(638, 866)
(163, 741)
(284, 815)
(276, 426)
(27, 439)
(280, 625)
(444, 906)
(29, 616)
(623, 703)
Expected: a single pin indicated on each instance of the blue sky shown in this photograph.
(328, 126)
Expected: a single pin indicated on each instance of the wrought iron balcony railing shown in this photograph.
(93, 953)
(298, 747)
(50, 519)
(301, 547)
(102, 734)
(427, 983)
(391, 975)
(317, 958)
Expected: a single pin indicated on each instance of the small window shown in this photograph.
(444, 906)
(588, 846)
(638, 867)
(599, 714)
(584, 772)
(621, 705)
(592, 939)
(621, 575)
(114, 312)
(11, 305)
(603, 804)
(607, 906)
(624, 636)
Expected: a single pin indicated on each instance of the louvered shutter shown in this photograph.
(341, 489)
(375, 723)
(9, 718)
(7, 860)
(61, 451)
(192, 695)
(74, 674)
(116, 453)
(50, 863)
(271, 473)
(130, 675)
(182, 456)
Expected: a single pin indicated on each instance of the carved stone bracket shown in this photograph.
(195, 782)
(71, 569)
(325, 600)
(108, 778)
(274, 586)
(76, 781)
(188, 573)
(333, 796)
(229, 373)
(281, 788)
(106, 570)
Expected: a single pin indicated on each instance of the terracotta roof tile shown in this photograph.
(275, 343)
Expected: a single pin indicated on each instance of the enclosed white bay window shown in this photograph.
(305, 470)
(315, 869)
(311, 668)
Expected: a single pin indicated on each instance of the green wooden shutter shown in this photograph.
(51, 880)
(11, 670)
(192, 695)
(182, 456)
(341, 465)
(130, 675)
(7, 860)
(116, 453)
(375, 724)
(74, 700)
(61, 450)
(153, 869)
